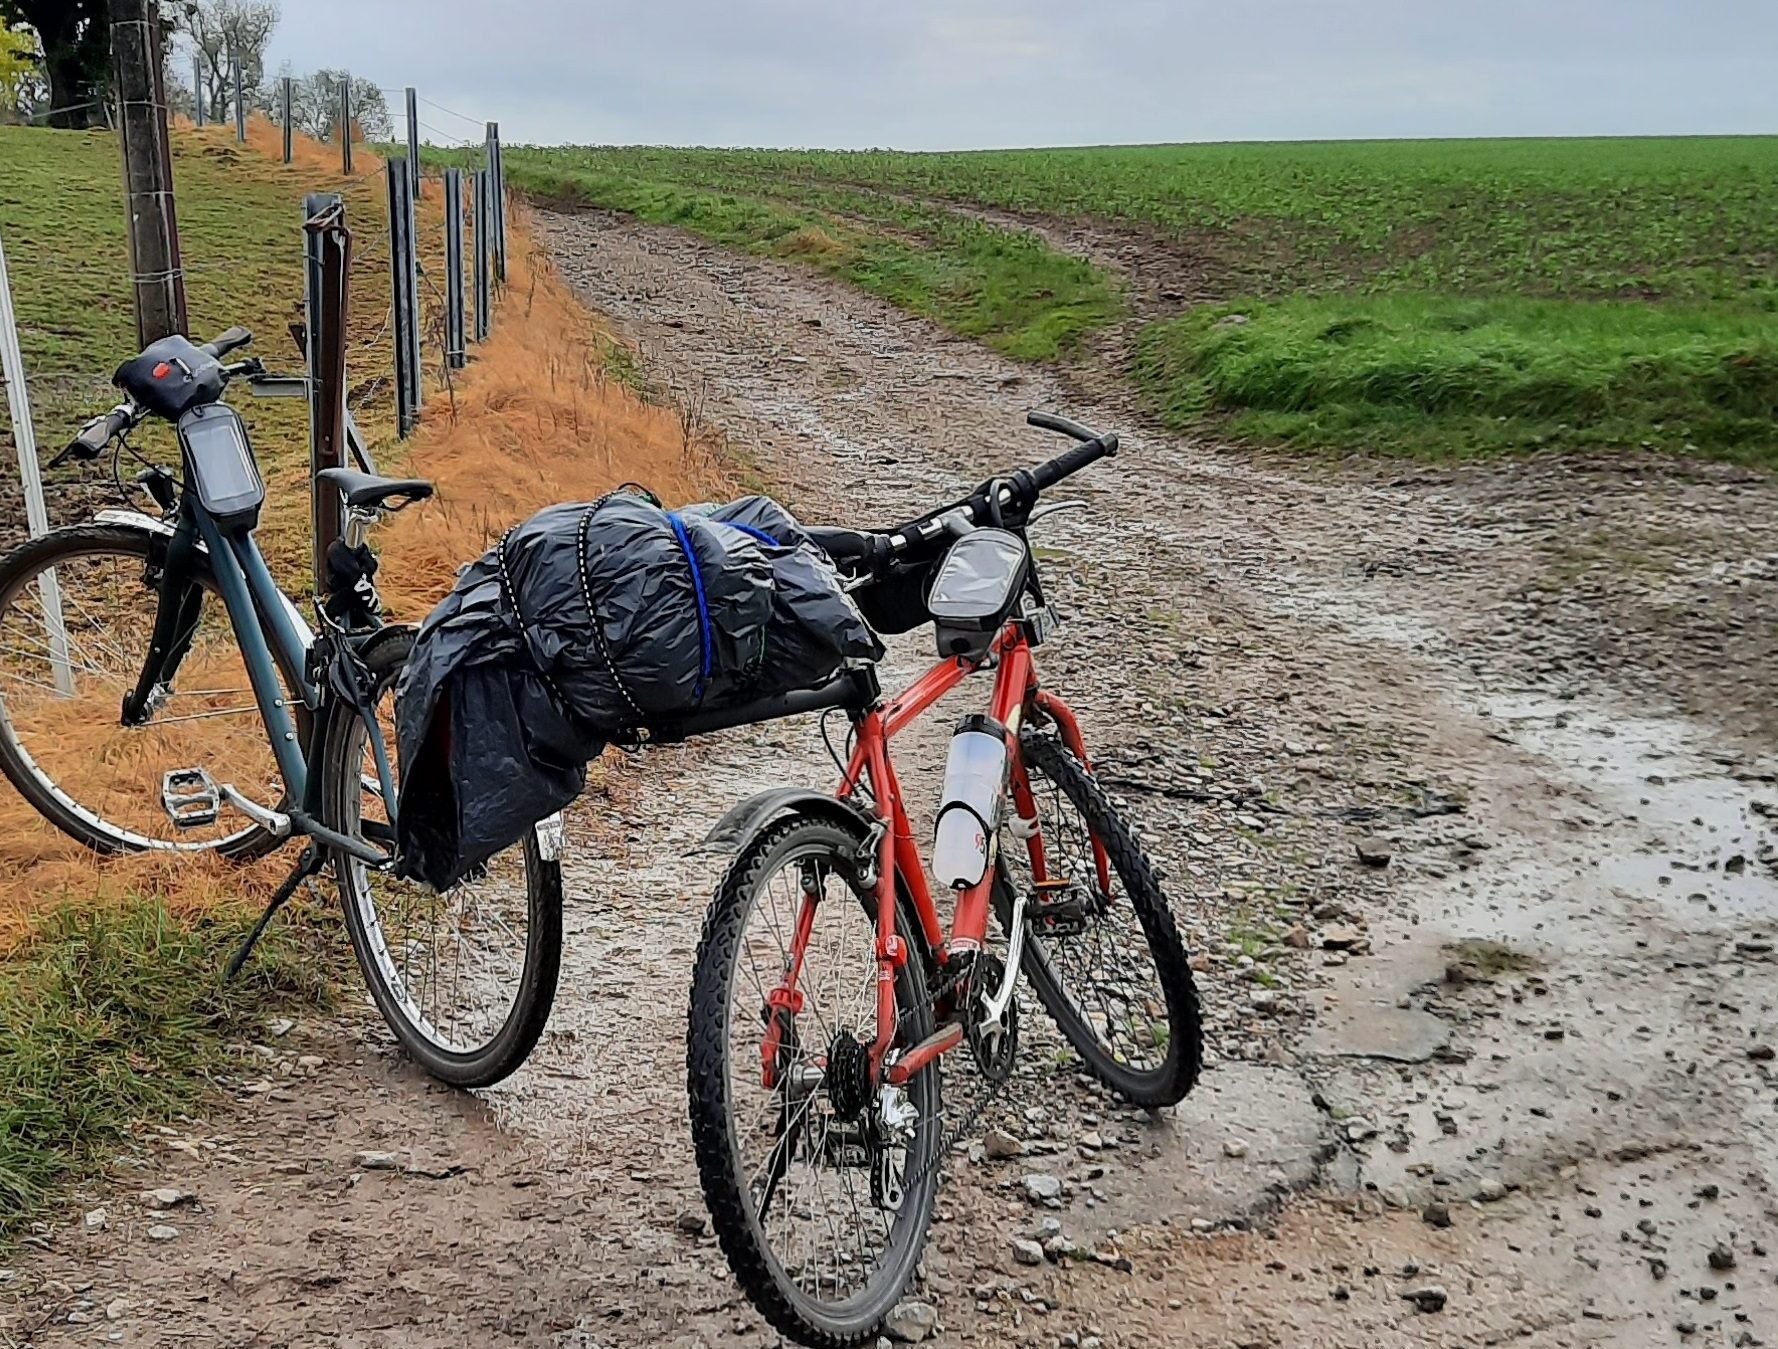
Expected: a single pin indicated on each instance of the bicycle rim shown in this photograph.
(62, 740)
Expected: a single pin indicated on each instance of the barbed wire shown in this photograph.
(66, 107)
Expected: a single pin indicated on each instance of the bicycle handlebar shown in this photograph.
(231, 339)
(1015, 496)
(92, 438)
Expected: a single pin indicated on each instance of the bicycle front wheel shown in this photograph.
(77, 610)
(465, 979)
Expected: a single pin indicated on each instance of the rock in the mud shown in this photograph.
(377, 1161)
(1342, 939)
(1436, 1214)
(1043, 1189)
(692, 1223)
(1000, 1145)
(1428, 1297)
(167, 1197)
(1762, 1053)
(162, 1232)
(96, 1220)
(1491, 1189)
(1234, 1147)
(1375, 851)
(911, 1321)
(1359, 1130)
(1722, 1256)
(1027, 1252)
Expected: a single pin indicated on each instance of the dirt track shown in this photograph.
(1551, 1013)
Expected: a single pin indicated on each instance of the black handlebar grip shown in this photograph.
(90, 441)
(1047, 475)
(231, 340)
(1050, 421)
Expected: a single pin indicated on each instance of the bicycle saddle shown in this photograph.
(371, 492)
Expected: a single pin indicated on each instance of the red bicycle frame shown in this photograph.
(1016, 694)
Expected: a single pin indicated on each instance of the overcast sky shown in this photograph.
(931, 74)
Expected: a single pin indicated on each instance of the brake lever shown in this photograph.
(1051, 508)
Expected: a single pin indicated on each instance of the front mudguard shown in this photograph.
(744, 822)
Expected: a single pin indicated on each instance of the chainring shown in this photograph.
(995, 1047)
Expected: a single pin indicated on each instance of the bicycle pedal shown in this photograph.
(191, 798)
(1057, 909)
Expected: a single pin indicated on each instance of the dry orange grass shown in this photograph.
(534, 419)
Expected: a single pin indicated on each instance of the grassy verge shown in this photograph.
(112, 1017)
(240, 224)
(1004, 288)
(112, 1011)
(1428, 375)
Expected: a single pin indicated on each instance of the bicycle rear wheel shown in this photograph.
(1111, 970)
(63, 743)
(465, 979)
(820, 1185)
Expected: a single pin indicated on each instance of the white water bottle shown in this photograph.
(969, 812)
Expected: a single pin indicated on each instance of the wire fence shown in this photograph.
(397, 253)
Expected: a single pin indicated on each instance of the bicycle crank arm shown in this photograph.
(995, 1010)
(274, 822)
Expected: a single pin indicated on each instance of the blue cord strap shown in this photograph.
(751, 532)
(697, 585)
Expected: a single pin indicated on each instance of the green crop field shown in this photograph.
(1432, 297)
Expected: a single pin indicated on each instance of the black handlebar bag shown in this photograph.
(582, 626)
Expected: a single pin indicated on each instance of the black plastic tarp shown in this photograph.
(582, 625)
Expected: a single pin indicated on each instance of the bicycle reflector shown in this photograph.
(219, 461)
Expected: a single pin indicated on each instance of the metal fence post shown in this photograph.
(285, 111)
(401, 279)
(416, 366)
(24, 440)
(481, 227)
(413, 139)
(345, 127)
(453, 204)
(497, 202)
(327, 253)
(240, 103)
(197, 88)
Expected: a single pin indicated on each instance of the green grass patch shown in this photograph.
(1427, 374)
(1005, 288)
(1443, 298)
(240, 226)
(112, 1020)
(1673, 217)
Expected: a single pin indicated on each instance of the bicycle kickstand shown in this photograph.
(312, 862)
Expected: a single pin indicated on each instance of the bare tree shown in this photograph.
(224, 31)
(315, 105)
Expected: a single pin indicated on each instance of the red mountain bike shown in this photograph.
(826, 989)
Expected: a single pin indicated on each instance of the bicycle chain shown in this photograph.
(966, 1125)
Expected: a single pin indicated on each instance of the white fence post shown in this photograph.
(24, 439)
